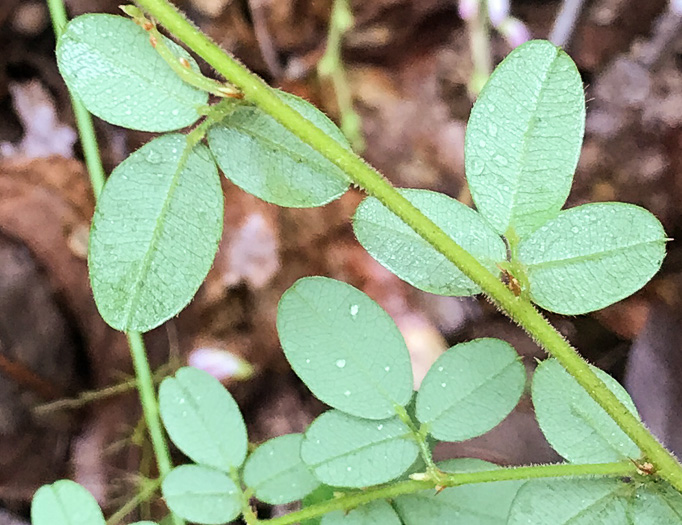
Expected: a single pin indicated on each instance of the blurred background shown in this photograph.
(402, 91)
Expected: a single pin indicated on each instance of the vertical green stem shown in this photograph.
(150, 408)
(518, 309)
(86, 129)
(145, 381)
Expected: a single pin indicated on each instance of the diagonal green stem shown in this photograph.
(394, 490)
(518, 309)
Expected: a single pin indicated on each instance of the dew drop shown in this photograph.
(387, 368)
(341, 363)
(349, 469)
(175, 111)
(346, 393)
(575, 229)
(443, 385)
(482, 143)
(307, 361)
(492, 129)
(354, 310)
(379, 427)
(440, 368)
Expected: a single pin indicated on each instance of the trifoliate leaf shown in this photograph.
(276, 472)
(345, 451)
(573, 423)
(109, 63)
(397, 247)
(470, 389)
(155, 233)
(344, 347)
(592, 256)
(524, 137)
(202, 419)
(265, 159)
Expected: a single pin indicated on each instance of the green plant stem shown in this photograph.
(143, 495)
(353, 500)
(86, 129)
(150, 407)
(517, 308)
(145, 381)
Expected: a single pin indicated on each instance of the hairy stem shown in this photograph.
(353, 500)
(517, 308)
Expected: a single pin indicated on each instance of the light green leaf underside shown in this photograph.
(201, 495)
(524, 137)
(202, 419)
(571, 501)
(470, 389)
(397, 247)
(576, 427)
(109, 63)
(592, 256)
(596, 502)
(344, 347)
(276, 472)
(345, 451)
(374, 513)
(265, 159)
(478, 504)
(65, 503)
(155, 233)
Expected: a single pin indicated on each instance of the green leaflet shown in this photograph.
(576, 427)
(524, 137)
(344, 347)
(201, 495)
(374, 513)
(570, 501)
(596, 502)
(592, 256)
(65, 503)
(345, 451)
(202, 419)
(477, 504)
(265, 159)
(470, 389)
(276, 472)
(109, 63)
(397, 247)
(155, 233)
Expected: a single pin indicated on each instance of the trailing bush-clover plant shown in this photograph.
(367, 460)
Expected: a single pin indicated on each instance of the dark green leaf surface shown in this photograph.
(276, 472)
(65, 503)
(155, 233)
(573, 423)
(109, 64)
(345, 451)
(344, 347)
(397, 247)
(477, 504)
(524, 137)
(201, 495)
(470, 389)
(592, 256)
(265, 159)
(202, 419)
